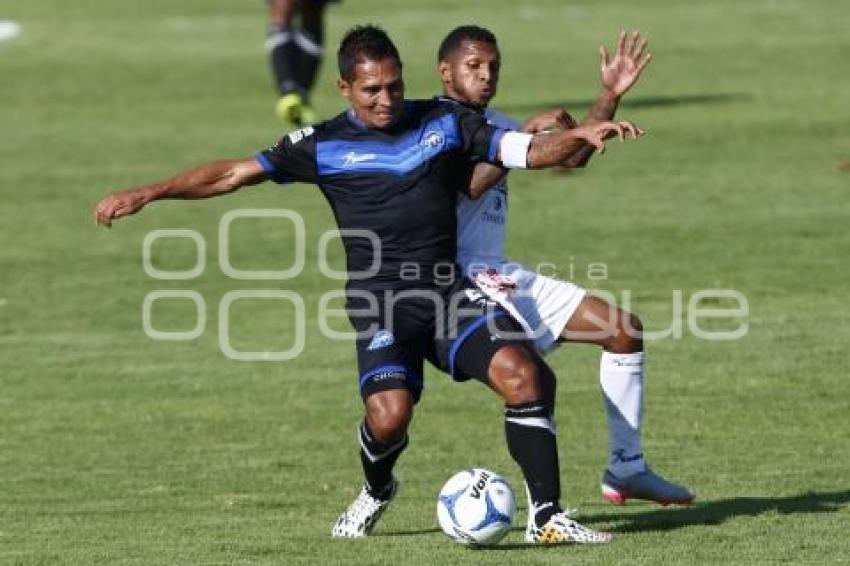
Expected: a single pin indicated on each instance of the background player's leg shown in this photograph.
(621, 377)
(309, 39)
(283, 45)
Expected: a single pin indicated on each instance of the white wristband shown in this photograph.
(513, 150)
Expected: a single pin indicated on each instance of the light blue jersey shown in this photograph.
(481, 223)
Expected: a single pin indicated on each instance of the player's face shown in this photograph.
(377, 92)
(471, 73)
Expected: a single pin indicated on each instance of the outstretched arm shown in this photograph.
(212, 179)
(618, 75)
(546, 149)
(553, 148)
(485, 175)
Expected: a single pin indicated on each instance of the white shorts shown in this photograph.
(542, 304)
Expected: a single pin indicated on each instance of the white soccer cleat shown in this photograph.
(644, 485)
(560, 529)
(358, 520)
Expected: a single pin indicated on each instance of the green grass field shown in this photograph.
(119, 449)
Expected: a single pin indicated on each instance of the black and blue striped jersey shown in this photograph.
(399, 184)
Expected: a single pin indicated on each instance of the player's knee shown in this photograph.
(515, 376)
(388, 420)
(628, 337)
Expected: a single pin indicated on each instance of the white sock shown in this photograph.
(621, 377)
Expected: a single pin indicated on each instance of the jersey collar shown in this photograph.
(474, 108)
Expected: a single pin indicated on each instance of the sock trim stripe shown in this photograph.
(308, 44)
(635, 359)
(277, 39)
(388, 452)
(538, 422)
(520, 410)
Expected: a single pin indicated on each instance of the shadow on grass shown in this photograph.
(718, 512)
(638, 102)
(496, 548)
(411, 533)
(667, 519)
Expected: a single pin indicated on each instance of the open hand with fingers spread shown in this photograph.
(622, 71)
(596, 133)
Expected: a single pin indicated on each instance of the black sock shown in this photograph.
(378, 461)
(283, 54)
(531, 441)
(307, 59)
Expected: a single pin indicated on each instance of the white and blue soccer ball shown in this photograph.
(476, 507)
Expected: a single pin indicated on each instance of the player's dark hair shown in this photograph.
(361, 43)
(457, 36)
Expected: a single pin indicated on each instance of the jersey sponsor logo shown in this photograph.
(498, 219)
(475, 492)
(433, 139)
(497, 203)
(352, 158)
(381, 339)
(299, 135)
(620, 456)
(400, 156)
(381, 376)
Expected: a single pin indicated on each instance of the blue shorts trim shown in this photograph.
(413, 380)
(467, 332)
(383, 369)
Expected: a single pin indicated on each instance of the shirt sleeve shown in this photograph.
(511, 124)
(292, 158)
(479, 139)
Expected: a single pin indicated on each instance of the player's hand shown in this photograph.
(117, 205)
(622, 71)
(557, 118)
(596, 134)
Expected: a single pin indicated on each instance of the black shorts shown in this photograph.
(457, 329)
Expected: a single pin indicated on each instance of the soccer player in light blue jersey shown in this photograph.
(553, 310)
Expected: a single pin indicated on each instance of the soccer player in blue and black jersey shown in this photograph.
(390, 169)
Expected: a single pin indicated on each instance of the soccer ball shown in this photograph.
(476, 507)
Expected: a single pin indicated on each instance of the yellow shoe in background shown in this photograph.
(292, 109)
(308, 115)
(288, 108)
